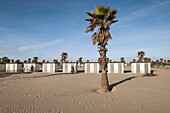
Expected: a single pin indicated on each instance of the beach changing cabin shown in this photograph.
(14, 67)
(143, 67)
(70, 67)
(91, 67)
(115, 67)
(49, 67)
(2, 67)
(31, 67)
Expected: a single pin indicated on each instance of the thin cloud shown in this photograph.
(38, 46)
(143, 12)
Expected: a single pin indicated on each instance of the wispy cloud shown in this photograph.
(144, 12)
(38, 46)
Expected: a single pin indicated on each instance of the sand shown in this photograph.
(75, 93)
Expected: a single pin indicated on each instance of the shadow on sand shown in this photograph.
(127, 71)
(122, 81)
(56, 74)
(130, 78)
(6, 74)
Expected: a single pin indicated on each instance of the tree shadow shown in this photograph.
(122, 81)
(5, 75)
(130, 78)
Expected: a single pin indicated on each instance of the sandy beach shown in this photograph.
(75, 93)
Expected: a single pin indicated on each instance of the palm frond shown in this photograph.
(89, 19)
(107, 23)
(89, 29)
(90, 14)
(113, 21)
(114, 11)
(95, 38)
(107, 35)
(107, 9)
(100, 16)
(110, 17)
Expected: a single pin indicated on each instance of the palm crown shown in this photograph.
(161, 59)
(141, 53)
(102, 18)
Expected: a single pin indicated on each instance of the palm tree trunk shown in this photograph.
(161, 64)
(103, 65)
(140, 59)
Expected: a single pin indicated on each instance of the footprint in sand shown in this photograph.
(69, 106)
(117, 108)
(18, 91)
(13, 94)
(72, 100)
(104, 106)
(54, 97)
(80, 102)
(93, 104)
(38, 96)
(86, 108)
(27, 93)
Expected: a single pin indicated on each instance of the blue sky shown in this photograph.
(46, 28)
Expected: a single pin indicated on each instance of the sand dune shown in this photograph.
(75, 93)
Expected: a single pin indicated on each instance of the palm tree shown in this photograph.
(141, 54)
(168, 61)
(4, 59)
(164, 61)
(122, 59)
(35, 60)
(55, 61)
(17, 61)
(12, 60)
(161, 59)
(152, 62)
(25, 61)
(43, 61)
(80, 61)
(149, 60)
(145, 59)
(157, 62)
(8, 61)
(64, 56)
(102, 18)
(29, 60)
